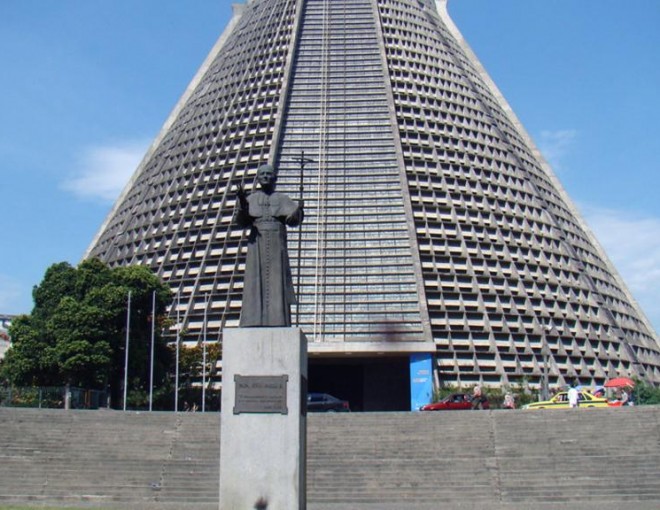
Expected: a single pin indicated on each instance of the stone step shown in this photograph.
(460, 458)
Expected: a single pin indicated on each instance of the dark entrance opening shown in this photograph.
(369, 384)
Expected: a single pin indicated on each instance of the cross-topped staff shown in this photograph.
(302, 160)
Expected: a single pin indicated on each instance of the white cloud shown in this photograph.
(633, 245)
(103, 171)
(554, 145)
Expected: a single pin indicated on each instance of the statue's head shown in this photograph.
(267, 177)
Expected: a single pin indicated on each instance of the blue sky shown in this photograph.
(85, 85)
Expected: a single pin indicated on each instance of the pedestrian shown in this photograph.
(573, 397)
(477, 398)
(509, 402)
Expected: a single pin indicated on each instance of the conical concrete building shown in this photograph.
(436, 241)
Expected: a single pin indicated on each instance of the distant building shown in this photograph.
(438, 244)
(5, 322)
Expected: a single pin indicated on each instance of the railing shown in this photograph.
(61, 397)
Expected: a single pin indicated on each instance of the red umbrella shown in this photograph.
(620, 382)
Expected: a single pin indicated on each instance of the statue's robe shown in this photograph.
(268, 287)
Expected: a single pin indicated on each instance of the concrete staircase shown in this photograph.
(500, 459)
(603, 458)
(108, 456)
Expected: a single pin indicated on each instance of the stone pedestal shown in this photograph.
(263, 428)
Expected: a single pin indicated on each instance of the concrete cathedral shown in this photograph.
(438, 247)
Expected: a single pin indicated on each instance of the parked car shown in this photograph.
(453, 402)
(560, 401)
(322, 402)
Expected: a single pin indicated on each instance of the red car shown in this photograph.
(453, 402)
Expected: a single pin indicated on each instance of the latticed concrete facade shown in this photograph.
(433, 226)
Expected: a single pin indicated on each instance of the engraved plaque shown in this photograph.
(260, 394)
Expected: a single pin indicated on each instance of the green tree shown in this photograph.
(30, 359)
(76, 333)
(645, 393)
(191, 366)
(59, 281)
(80, 344)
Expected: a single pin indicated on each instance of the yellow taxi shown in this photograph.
(560, 401)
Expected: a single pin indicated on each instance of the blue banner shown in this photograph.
(421, 380)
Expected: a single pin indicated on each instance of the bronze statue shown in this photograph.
(268, 287)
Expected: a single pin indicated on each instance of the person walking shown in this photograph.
(573, 397)
(477, 398)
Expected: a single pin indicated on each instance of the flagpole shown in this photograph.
(206, 306)
(128, 326)
(151, 364)
(176, 371)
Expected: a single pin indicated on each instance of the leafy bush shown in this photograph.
(646, 394)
